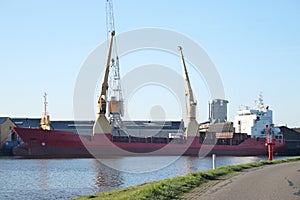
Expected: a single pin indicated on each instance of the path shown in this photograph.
(273, 182)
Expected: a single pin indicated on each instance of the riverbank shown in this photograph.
(175, 188)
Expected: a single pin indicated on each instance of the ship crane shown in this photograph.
(101, 125)
(115, 97)
(115, 106)
(111, 95)
(192, 124)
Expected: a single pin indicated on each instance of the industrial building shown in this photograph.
(292, 141)
(5, 134)
(5, 126)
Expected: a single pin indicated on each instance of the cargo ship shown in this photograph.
(53, 143)
(246, 136)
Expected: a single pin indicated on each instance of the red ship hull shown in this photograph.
(41, 143)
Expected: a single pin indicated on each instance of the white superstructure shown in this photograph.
(254, 121)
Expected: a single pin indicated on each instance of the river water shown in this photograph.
(70, 178)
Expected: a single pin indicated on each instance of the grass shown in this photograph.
(172, 188)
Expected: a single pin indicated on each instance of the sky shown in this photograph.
(254, 45)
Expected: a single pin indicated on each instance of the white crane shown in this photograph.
(115, 97)
(192, 124)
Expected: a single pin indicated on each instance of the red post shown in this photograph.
(270, 143)
(270, 151)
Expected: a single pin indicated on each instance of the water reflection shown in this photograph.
(43, 178)
(188, 165)
(139, 164)
(106, 176)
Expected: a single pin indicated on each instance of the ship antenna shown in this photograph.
(261, 102)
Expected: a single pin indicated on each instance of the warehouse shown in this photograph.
(5, 135)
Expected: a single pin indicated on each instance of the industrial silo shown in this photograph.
(218, 110)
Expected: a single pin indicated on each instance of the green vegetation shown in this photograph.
(172, 188)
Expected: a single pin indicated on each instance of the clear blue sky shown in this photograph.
(255, 46)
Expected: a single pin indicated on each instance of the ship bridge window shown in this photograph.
(278, 137)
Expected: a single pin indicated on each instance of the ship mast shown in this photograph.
(192, 124)
(45, 120)
(261, 106)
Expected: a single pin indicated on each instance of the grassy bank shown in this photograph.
(172, 188)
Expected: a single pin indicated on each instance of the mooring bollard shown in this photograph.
(214, 161)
